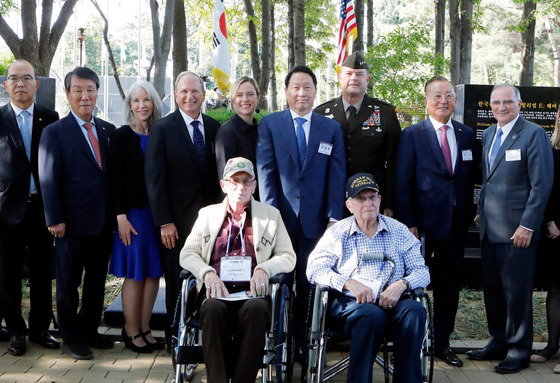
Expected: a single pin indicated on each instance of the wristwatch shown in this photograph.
(407, 283)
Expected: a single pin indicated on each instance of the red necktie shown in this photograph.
(445, 149)
(94, 142)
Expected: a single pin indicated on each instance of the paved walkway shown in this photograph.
(121, 365)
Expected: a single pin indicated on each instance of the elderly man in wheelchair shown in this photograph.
(370, 262)
(233, 250)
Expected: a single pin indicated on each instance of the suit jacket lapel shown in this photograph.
(460, 138)
(103, 142)
(288, 133)
(339, 114)
(11, 124)
(76, 132)
(38, 126)
(434, 145)
(184, 137)
(508, 142)
(315, 132)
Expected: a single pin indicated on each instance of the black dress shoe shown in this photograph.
(511, 365)
(45, 339)
(4, 335)
(486, 354)
(77, 351)
(129, 343)
(99, 341)
(448, 357)
(155, 346)
(17, 345)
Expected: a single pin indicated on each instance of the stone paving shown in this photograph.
(120, 365)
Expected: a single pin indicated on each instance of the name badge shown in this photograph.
(467, 154)
(235, 269)
(513, 155)
(325, 148)
(372, 283)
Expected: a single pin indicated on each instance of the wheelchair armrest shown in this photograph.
(418, 293)
(185, 274)
(282, 278)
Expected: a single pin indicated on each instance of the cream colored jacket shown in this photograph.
(273, 248)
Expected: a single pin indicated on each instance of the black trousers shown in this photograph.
(445, 272)
(77, 255)
(508, 275)
(233, 338)
(27, 242)
(171, 270)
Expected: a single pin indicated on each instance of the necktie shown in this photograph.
(25, 129)
(198, 142)
(351, 116)
(445, 149)
(495, 148)
(302, 143)
(94, 143)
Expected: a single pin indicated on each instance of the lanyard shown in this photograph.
(241, 224)
(382, 234)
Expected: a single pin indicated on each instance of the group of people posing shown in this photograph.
(160, 194)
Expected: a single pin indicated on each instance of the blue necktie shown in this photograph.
(25, 129)
(198, 142)
(495, 148)
(302, 143)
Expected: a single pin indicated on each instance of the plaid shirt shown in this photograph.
(337, 255)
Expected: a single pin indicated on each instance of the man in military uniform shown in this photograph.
(370, 127)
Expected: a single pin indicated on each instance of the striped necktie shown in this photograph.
(302, 142)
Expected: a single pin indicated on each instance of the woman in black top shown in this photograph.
(549, 259)
(135, 253)
(238, 136)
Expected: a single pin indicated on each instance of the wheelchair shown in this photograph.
(316, 370)
(278, 353)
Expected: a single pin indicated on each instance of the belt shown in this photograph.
(32, 198)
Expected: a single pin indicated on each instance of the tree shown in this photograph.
(460, 32)
(180, 59)
(299, 32)
(37, 48)
(369, 17)
(439, 32)
(359, 13)
(265, 37)
(528, 40)
(273, 90)
(162, 42)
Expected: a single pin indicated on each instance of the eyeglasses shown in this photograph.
(448, 97)
(496, 103)
(371, 198)
(16, 79)
(248, 182)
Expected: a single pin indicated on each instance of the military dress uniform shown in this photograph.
(371, 142)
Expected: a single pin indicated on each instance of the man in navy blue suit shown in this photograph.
(73, 175)
(302, 172)
(435, 166)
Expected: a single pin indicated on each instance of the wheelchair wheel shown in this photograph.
(284, 359)
(427, 353)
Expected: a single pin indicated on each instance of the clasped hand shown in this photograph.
(215, 287)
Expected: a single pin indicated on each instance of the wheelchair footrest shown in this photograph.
(190, 355)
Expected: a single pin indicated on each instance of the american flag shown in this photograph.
(347, 28)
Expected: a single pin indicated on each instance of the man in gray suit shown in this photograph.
(517, 171)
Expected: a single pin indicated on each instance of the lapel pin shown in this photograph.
(460, 130)
(369, 106)
(514, 136)
(327, 110)
(40, 119)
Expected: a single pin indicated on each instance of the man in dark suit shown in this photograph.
(434, 178)
(23, 234)
(73, 163)
(517, 172)
(370, 127)
(301, 170)
(181, 176)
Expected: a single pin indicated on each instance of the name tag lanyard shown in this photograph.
(241, 224)
(382, 234)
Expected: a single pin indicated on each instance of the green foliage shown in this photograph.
(6, 6)
(6, 59)
(400, 63)
(223, 115)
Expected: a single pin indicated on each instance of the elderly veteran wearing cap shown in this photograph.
(235, 247)
(370, 127)
(343, 261)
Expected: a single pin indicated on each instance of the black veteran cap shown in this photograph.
(355, 61)
(359, 182)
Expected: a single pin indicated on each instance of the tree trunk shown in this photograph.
(369, 17)
(359, 12)
(38, 49)
(455, 36)
(299, 32)
(265, 71)
(273, 90)
(109, 49)
(291, 45)
(555, 51)
(180, 60)
(253, 41)
(466, 41)
(440, 33)
(528, 39)
(161, 42)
